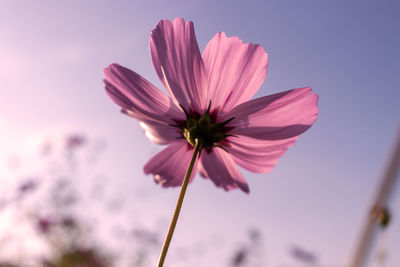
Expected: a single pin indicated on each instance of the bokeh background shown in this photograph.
(315, 200)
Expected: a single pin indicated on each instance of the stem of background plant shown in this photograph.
(178, 205)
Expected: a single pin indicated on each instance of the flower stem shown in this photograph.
(178, 205)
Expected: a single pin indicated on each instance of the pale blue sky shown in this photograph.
(53, 54)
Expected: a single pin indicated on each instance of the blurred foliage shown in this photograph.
(79, 258)
(251, 253)
(49, 204)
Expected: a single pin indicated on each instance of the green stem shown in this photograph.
(178, 205)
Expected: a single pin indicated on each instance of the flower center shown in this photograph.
(205, 129)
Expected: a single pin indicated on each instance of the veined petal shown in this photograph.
(279, 116)
(177, 60)
(219, 166)
(258, 155)
(235, 71)
(169, 166)
(138, 96)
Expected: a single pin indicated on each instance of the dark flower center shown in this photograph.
(205, 129)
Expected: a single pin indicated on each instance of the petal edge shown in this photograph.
(177, 60)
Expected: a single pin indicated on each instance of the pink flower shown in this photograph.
(74, 141)
(209, 99)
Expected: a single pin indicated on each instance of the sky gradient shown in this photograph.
(53, 55)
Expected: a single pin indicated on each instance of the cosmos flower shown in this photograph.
(209, 100)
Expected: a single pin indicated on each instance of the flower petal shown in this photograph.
(219, 166)
(134, 93)
(157, 132)
(169, 166)
(279, 116)
(235, 71)
(258, 155)
(178, 63)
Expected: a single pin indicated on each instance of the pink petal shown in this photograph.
(157, 132)
(235, 71)
(279, 116)
(169, 166)
(258, 155)
(219, 166)
(143, 100)
(177, 61)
